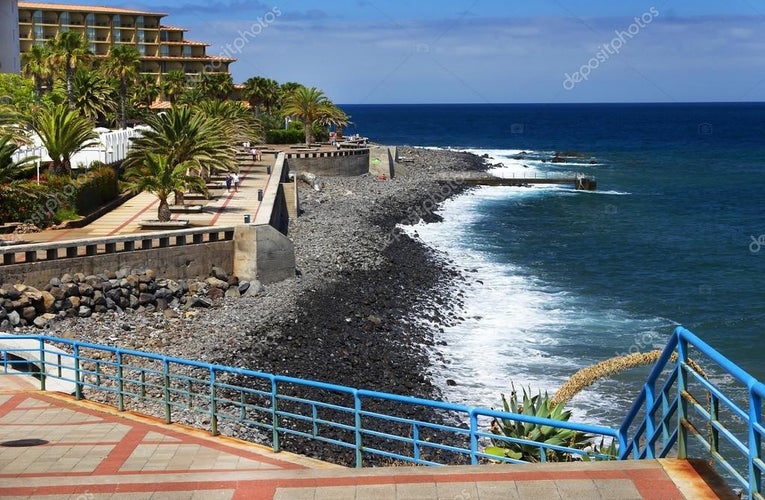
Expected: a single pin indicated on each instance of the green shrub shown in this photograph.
(288, 136)
(64, 214)
(95, 188)
(27, 201)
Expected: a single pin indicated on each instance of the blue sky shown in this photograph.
(546, 51)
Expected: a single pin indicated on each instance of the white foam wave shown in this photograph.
(516, 327)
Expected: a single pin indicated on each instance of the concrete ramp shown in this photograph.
(381, 161)
(24, 356)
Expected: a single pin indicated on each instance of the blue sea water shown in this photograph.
(561, 279)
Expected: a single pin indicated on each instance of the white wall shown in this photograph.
(9, 36)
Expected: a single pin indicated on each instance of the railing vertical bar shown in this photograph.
(357, 428)
(314, 418)
(650, 424)
(43, 371)
(682, 403)
(142, 378)
(755, 441)
(120, 397)
(213, 404)
(274, 415)
(166, 377)
(473, 437)
(77, 385)
(416, 442)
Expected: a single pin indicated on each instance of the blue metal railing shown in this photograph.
(366, 422)
(680, 411)
(678, 402)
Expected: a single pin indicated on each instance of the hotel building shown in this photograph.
(162, 48)
(9, 37)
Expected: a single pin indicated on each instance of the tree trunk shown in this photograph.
(69, 86)
(308, 137)
(123, 98)
(178, 197)
(163, 212)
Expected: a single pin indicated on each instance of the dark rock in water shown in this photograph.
(451, 382)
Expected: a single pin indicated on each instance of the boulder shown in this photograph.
(48, 300)
(215, 293)
(197, 301)
(219, 273)
(217, 283)
(67, 278)
(146, 298)
(243, 286)
(14, 318)
(84, 312)
(29, 313)
(233, 292)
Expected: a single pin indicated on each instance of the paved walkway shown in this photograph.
(226, 208)
(54, 447)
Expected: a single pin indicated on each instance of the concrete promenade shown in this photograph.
(54, 447)
(227, 208)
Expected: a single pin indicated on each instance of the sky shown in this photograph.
(487, 51)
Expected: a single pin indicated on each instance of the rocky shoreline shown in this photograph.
(363, 310)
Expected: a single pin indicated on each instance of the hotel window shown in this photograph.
(37, 17)
(64, 19)
(142, 49)
(141, 35)
(187, 51)
(39, 32)
(90, 19)
(116, 31)
(164, 50)
(139, 22)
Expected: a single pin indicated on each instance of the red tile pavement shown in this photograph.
(68, 448)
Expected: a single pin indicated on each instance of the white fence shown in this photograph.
(113, 147)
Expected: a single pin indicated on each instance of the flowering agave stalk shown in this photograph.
(527, 440)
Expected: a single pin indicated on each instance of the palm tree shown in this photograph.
(11, 170)
(156, 174)
(11, 125)
(305, 104)
(173, 84)
(263, 92)
(37, 66)
(241, 123)
(123, 63)
(70, 49)
(216, 85)
(93, 96)
(331, 115)
(197, 141)
(146, 90)
(63, 132)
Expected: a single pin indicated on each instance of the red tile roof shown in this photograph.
(85, 8)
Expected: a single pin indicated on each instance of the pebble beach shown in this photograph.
(363, 310)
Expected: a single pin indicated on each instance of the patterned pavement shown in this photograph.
(54, 447)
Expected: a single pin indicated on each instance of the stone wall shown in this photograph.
(344, 162)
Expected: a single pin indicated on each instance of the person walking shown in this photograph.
(229, 180)
(235, 180)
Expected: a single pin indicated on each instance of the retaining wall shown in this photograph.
(344, 162)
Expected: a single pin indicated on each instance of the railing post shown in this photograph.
(682, 403)
(166, 376)
(650, 424)
(755, 441)
(274, 416)
(473, 438)
(213, 404)
(416, 443)
(77, 385)
(357, 426)
(120, 386)
(43, 371)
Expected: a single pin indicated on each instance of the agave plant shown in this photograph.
(524, 435)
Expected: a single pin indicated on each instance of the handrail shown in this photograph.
(353, 419)
(687, 405)
(680, 410)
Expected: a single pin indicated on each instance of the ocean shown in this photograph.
(561, 279)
